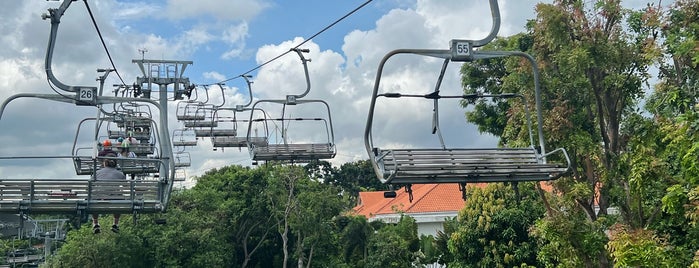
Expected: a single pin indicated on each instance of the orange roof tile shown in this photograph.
(426, 198)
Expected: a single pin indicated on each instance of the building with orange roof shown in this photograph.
(431, 205)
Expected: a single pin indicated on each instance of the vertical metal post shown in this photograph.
(166, 144)
(47, 245)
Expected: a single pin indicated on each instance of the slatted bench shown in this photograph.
(86, 165)
(189, 117)
(183, 159)
(79, 196)
(133, 121)
(200, 123)
(115, 134)
(233, 141)
(420, 166)
(292, 152)
(208, 132)
(184, 143)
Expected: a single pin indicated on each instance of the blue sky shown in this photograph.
(225, 39)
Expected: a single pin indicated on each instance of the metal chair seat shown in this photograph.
(292, 152)
(79, 196)
(408, 166)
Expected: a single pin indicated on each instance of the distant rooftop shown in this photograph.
(427, 198)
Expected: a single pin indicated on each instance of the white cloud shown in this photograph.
(214, 76)
(235, 36)
(135, 10)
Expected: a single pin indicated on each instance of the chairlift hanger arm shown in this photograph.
(249, 83)
(251, 120)
(55, 15)
(305, 70)
(206, 91)
(223, 95)
(495, 14)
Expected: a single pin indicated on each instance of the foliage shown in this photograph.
(676, 92)
(568, 240)
(353, 235)
(494, 227)
(641, 248)
(230, 218)
(594, 58)
(85, 249)
(441, 242)
(354, 177)
(395, 245)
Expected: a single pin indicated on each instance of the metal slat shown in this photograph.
(293, 152)
(465, 165)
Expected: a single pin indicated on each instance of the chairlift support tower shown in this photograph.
(173, 76)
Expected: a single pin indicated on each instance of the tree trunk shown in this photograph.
(299, 249)
(285, 242)
(310, 256)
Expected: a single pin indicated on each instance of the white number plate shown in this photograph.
(86, 94)
(462, 49)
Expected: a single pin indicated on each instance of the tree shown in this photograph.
(673, 104)
(593, 69)
(354, 233)
(395, 245)
(312, 222)
(676, 92)
(494, 227)
(354, 177)
(642, 248)
(282, 194)
(85, 249)
(441, 242)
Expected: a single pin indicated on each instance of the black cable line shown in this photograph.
(94, 22)
(299, 45)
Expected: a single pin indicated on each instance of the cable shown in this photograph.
(94, 22)
(299, 45)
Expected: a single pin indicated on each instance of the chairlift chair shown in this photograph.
(54, 228)
(183, 138)
(409, 166)
(461, 165)
(182, 159)
(84, 196)
(207, 122)
(284, 150)
(86, 164)
(180, 174)
(227, 133)
(230, 136)
(189, 111)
